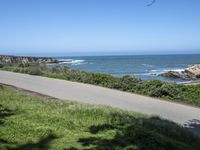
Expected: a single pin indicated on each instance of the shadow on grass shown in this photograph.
(4, 113)
(141, 134)
(193, 125)
(42, 144)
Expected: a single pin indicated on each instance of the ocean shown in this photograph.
(146, 67)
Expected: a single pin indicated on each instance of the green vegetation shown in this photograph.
(28, 122)
(188, 94)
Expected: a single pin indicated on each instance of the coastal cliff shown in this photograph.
(5, 59)
(191, 73)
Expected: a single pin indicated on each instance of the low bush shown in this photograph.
(34, 71)
(1, 65)
(23, 65)
(165, 90)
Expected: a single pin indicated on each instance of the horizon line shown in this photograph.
(86, 55)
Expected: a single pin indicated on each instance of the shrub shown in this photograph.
(34, 71)
(101, 79)
(23, 65)
(166, 90)
(16, 69)
(1, 65)
(129, 83)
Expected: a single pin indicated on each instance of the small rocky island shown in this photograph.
(5, 59)
(191, 73)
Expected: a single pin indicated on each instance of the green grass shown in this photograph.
(189, 94)
(32, 123)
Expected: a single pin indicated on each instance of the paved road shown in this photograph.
(61, 89)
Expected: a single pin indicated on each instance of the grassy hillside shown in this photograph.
(187, 94)
(28, 122)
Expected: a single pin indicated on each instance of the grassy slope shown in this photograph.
(28, 122)
(187, 94)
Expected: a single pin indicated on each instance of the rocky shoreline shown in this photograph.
(5, 59)
(190, 73)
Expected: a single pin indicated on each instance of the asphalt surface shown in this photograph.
(185, 115)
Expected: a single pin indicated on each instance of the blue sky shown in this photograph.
(99, 26)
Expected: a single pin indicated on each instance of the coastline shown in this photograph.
(197, 82)
(76, 63)
(145, 67)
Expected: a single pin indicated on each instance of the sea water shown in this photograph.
(146, 67)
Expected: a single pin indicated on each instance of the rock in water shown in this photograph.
(194, 70)
(191, 73)
(171, 74)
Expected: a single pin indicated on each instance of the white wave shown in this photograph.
(147, 74)
(148, 65)
(71, 61)
(64, 60)
(177, 70)
(157, 72)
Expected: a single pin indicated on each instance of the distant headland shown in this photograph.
(9, 59)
